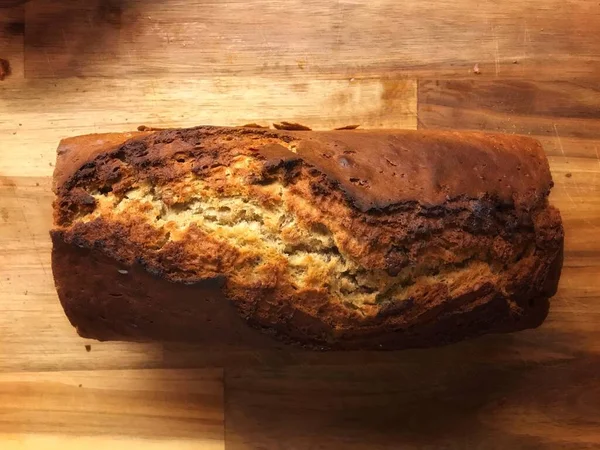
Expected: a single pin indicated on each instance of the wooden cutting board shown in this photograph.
(84, 66)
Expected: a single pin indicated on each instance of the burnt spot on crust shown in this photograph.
(359, 182)
(396, 259)
(315, 237)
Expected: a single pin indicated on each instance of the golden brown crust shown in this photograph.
(366, 239)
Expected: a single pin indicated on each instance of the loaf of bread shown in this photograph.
(329, 240)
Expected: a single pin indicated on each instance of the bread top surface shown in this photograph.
(323, 236)
(376, 169)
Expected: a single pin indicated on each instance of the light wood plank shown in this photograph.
(34, 332)
(61, 442)
(549, 39)
(41, 112)
(118, 408)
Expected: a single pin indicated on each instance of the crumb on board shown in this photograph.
(253, 125)
(80, 385)
(291, 126)
(88, 348)
(568, 174)
(26, 292)
(348, 127)
(476, 70)
(4, 69)
(50, 164)
(37, 184)
(146, 128)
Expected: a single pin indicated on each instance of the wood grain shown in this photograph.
(198, 38)
(154, 408)
(566, 109)
(41, 112)
(430, 404)
(110, 65)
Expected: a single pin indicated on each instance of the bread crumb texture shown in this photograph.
(296, 253)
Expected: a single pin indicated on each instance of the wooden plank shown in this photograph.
(61, 442)
(432, 403)
(540, 39)
(81, 106)
(119, 408)
(34, 332)
(567, 109)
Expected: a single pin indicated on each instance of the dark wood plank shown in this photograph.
(548, 39)
(427, 404)
(564, 109)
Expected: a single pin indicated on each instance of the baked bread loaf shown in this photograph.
(331, 240)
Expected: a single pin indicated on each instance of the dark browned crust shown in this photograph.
(403, 187)
(106, 300)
